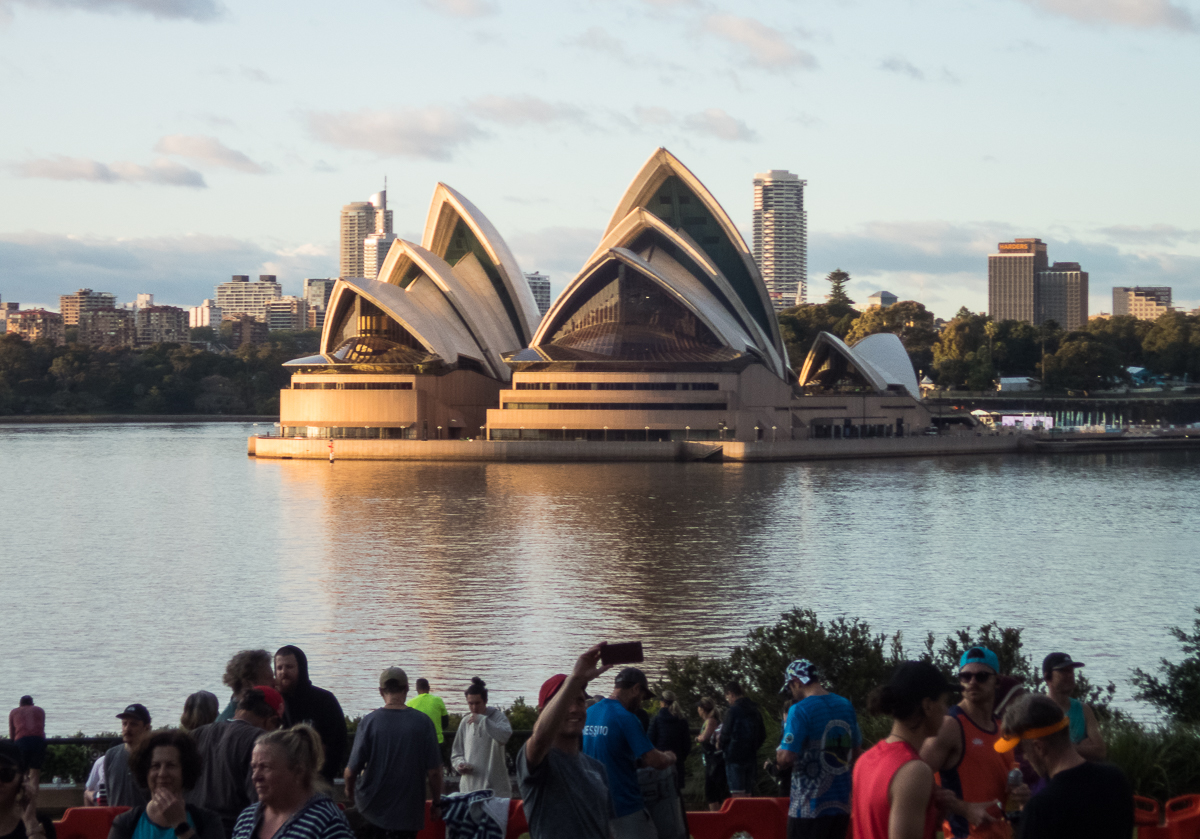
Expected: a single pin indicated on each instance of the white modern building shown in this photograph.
(239, 296)
(781, 237)
(207, 314)
(1143, 302)
(539, 284)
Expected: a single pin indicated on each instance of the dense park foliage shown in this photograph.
(971, 350)
(40, 378)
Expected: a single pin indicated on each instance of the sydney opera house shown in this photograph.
(667, 333)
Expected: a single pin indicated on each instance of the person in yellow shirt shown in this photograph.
(433, 707)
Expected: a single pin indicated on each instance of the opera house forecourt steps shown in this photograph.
(664, 346)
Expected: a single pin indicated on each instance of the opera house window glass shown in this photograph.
(365, 334)
(630, 317)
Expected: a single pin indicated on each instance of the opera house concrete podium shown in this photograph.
(664, 346)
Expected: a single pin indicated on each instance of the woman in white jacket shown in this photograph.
(478, 752)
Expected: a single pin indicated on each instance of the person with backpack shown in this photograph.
(742, 734)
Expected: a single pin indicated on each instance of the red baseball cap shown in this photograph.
(273, 697)
(549, 688)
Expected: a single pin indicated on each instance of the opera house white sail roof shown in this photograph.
(878, 361)
(458, 299)
(672, 281)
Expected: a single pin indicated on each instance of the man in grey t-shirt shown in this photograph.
(396, 752)
(565, 792)
(123, 790)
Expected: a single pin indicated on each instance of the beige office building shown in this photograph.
(35, 325)
(1142, 302)
(1063, 295)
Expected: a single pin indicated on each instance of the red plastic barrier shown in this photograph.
(762, 818)
(1146, 812)
(87, 822)
(1183, 817)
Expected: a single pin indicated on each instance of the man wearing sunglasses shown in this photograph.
(963, 755)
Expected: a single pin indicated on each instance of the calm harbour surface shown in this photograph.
(135, 559)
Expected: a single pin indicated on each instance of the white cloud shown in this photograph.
(653, 116)
(903, 67)
(557, 251)
(462, 8)
(1154, 234)
(523, 110)
(207, 150)
(433, 132)
(197, 10)
(1139, 14)
(161, 171)
(716, 123)
(765, 46)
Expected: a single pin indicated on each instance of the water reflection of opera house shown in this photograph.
(667, 333)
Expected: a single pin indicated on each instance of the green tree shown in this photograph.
(1016, 349)
(955, 355)
(1177, 692)
(1083, 364)
(838, 297)
(1172, 345)
(1124, 333)
(800, 326)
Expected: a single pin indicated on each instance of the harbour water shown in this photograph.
(134, 559)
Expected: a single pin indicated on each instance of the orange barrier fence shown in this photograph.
(87, 822)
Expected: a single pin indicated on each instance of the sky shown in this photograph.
(163, 145)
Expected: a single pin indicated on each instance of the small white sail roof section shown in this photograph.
(879, 366)
(885, 352)
(456, 228)
(668, 189)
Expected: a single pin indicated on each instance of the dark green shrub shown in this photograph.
(1178, 691)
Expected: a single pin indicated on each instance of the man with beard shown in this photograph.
(304, 702)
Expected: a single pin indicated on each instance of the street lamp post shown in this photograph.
(483, 432)
(756, 431)
(687, 432)
(564, 434)
(439, 432)
(606, 433)
(773, 438)
(647, 434)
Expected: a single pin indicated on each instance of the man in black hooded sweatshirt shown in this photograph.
(305, 702)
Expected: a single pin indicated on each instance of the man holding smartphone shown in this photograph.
(614, 737)
(565, 792)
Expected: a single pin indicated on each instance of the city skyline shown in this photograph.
(238, 152)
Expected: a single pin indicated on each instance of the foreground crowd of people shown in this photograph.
(998, 758)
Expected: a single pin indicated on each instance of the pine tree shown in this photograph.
(837, 292)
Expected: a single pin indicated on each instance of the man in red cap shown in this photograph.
(565, 791)
(225, 785)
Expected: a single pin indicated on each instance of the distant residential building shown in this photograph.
(317, 290)
(287, 313)
(360, 220)
(35, 325)
(882, 299)
(781, 236)
(1099, 316)
(1063, 295)
(1023, 286)
(1143, 302)
(207, 314)
(7, 309)
(109, 327)
(539, 284)
(239, 296)
(71, 305)
(161, 325)
(245, 330)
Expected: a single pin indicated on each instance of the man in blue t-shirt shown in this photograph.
(820, 742)
(614, 737)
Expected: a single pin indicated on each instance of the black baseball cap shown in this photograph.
(1058, 661)
(632, 677)
(136, 711)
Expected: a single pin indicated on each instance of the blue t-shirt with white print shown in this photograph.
(614, 737)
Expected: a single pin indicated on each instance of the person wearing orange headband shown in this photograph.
(1082, 797)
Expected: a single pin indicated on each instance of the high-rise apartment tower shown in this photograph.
(366, 236)
(539, 284)
(84, 300)
(240, 296)
(781, 236)
(1063, 295)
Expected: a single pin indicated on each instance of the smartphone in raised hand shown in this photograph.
(626, 653)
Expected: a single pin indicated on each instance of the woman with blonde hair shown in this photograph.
(716, 789)
(292, 795)
(669, 732)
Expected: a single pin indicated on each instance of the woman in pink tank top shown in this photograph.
(893, 792)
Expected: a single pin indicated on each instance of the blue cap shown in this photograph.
(979, 655)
